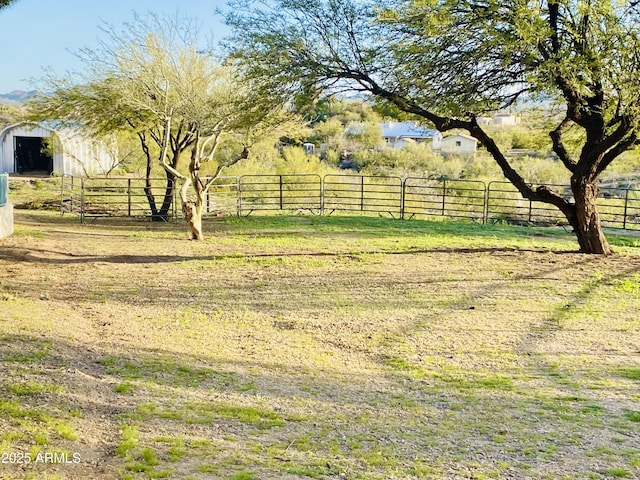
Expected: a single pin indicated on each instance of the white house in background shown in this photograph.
(505, 120)
(456, 144)
(500, 120)
(402, 134)
(23, 149)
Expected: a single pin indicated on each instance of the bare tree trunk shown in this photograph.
(586, 221)
(193, 216)
(193, 210)
(148, 191)
(163, 212)
(151, 200)
(169, 192)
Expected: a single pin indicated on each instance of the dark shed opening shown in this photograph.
(32, 155)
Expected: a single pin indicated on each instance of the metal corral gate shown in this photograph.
(112, 197)
(505, 203)
(400, 198)
(279, 192)
(361, 193)
(617, 207)
(445, 198)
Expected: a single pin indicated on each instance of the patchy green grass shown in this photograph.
(35, 194)
(317, 347)
(33, 388)
(630, 373)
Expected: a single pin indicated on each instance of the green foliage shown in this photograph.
(368, 134)
(328, 131)
(541, 170)
(6, 3)
(295, 161)
(10, 114)
(423, 58)
(347, 125)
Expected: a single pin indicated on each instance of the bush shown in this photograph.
(295, 161)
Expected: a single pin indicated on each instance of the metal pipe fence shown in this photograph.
(222, 197)
(504, 203)
(383, 195)
(445, 198)
(617, 207)
(115, 197)
(279, 192)
(362, 193)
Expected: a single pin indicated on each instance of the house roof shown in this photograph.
(406, 130)
(461, 135)
(63, 133)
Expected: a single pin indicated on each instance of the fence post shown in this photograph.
(62, 195)
(485, 207)
(280, 178)
(73, 192)
(322, 195)
(82, 200)
(128, 197)
(239, 190)
(403, 192)
(444, 195)
(362, 193)
(626, 202)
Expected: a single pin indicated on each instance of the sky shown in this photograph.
(40, 34)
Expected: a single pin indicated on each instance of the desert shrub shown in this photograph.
(541, 170)
(366, 134)
(483, 168)
(295, 161)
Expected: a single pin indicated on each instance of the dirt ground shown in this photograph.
(252, 355)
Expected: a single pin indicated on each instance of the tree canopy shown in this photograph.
(155, 79)
(6, 3)
(450, 62)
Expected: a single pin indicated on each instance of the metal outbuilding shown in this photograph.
(29, 148)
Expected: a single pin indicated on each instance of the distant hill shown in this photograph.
(17, 96)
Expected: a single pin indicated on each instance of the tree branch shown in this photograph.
(165, 148)
(559, 147)
(242, 156)
(616, 151)
(216, 137)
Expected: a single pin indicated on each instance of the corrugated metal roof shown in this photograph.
(406, 130)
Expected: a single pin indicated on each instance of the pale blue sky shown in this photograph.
(36, 34)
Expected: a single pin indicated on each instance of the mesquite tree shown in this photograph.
(123, 88)
(154, 79)
(230, 107)
(450, 62)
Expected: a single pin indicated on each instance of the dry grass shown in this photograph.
(303, 347)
